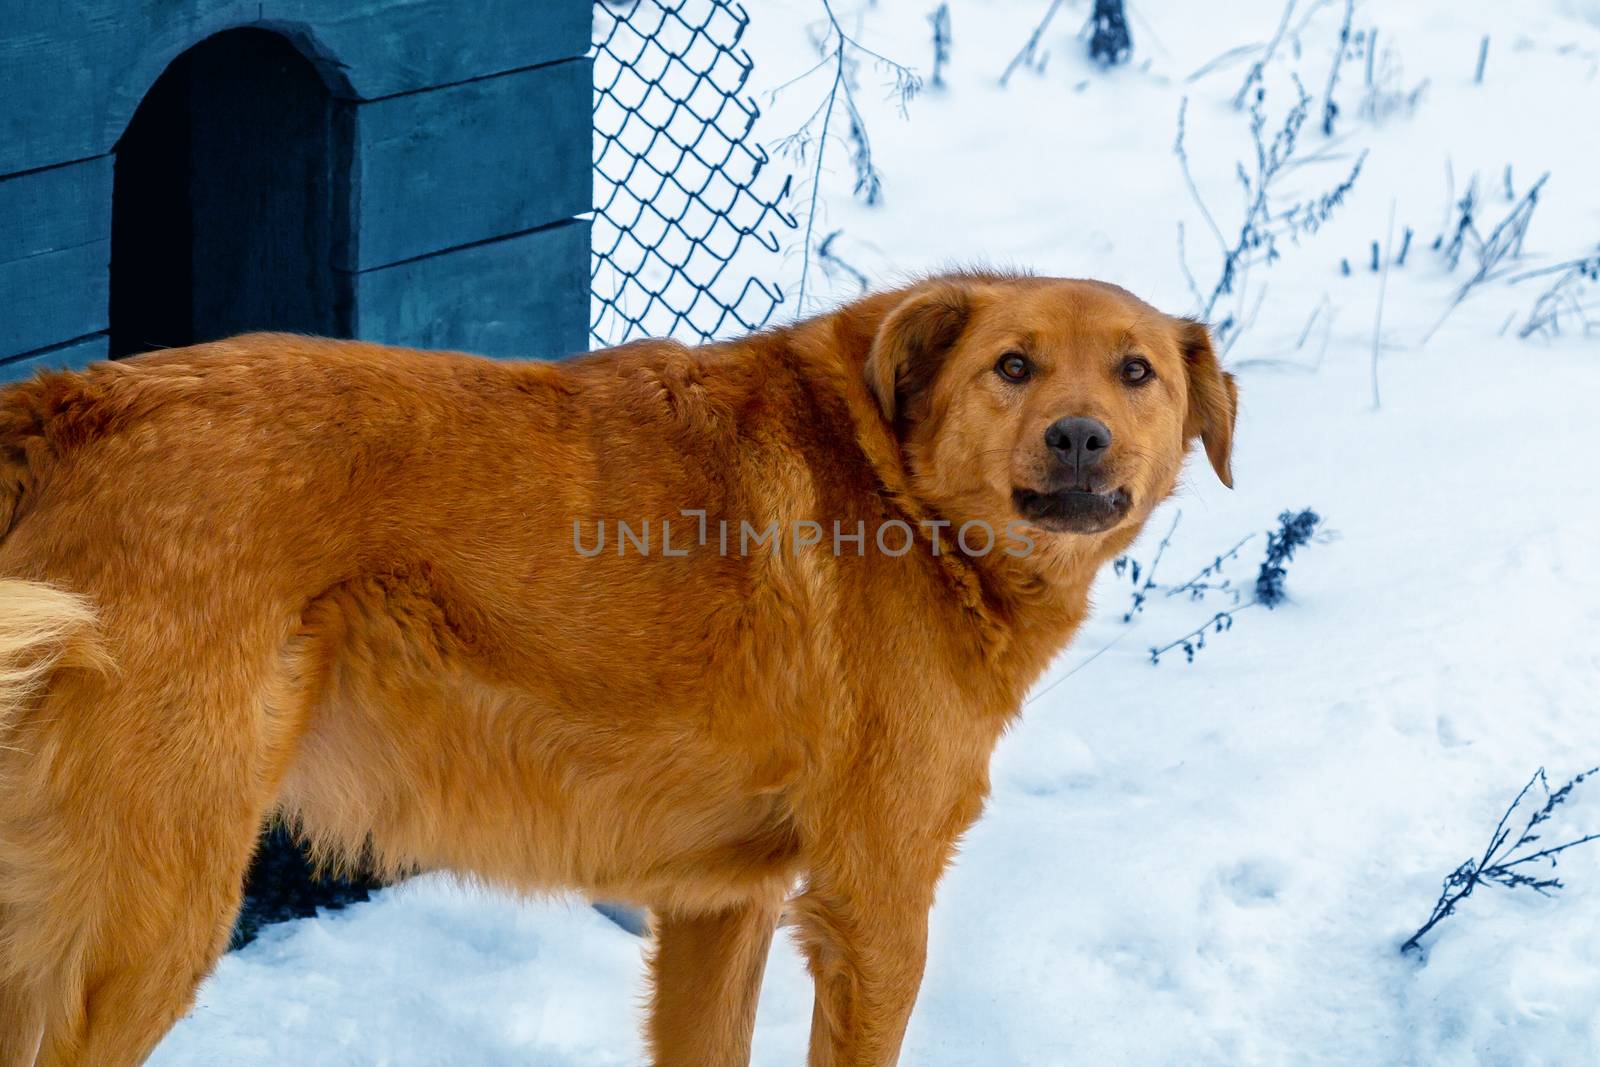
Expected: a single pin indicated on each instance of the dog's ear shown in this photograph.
(1213, 398)
(910, 346)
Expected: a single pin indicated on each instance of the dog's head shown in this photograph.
(1068, 405)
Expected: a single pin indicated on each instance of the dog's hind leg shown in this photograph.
(21, 1018)
(169, 924)
(151, 905)
(706, 977)
(147, 795)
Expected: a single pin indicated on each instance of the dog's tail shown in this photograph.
(41, 628)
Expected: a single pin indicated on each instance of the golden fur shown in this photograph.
(340, 582)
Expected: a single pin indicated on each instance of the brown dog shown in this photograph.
(360, 587)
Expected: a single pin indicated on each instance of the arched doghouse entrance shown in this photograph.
(223, 216)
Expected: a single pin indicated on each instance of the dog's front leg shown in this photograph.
(706, 977)
(864, 927)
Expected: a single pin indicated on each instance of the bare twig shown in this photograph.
(832, 263)
(1188, 177)
(1198, 585)
(1499, 862)
(1188, 275)
(1315, 313)
(1252, 80)
(1231, 55)
(1029, 53)
(1330, 109)
(1081, 664)
(1262, 226)
(1377, 322)
(940, 21)
(1504, 242)
(1142, 589)
(1564, 298)
(841, 54)
(1295, 530)
(1195, 639)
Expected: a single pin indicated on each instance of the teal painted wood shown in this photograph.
(471, 162)
(55, 231)
(521, 297)
(55, 209)
(72, 71)
(54, 296)
(74, 355)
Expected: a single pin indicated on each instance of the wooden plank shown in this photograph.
(74, 355)
(399, 46)
(55, 209)
(54, 296)
(522, 297)
(71, 74)
(467, 163)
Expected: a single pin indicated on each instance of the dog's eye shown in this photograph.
(1137, 371)
(1014, 367)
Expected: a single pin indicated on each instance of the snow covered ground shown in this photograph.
(1206, 863)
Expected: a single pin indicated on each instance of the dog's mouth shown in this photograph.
(1072, 510)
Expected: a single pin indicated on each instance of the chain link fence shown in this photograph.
(687, 217)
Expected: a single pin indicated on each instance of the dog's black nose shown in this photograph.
(1079, 442)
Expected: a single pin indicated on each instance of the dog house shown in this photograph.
(414, 172)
